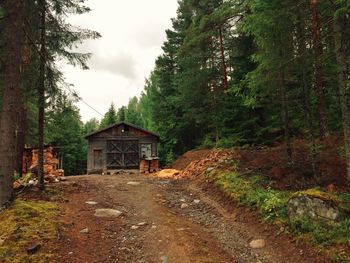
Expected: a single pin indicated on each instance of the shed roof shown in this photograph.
(118, 124)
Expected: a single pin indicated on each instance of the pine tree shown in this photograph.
(72, 145)
(341, 33)
(121, 114)
(110, 117)
(91, 125)
(132, 112)
(41, 92)
(11, 95)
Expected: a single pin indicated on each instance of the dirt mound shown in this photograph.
(211, 160)
(272, 163)
(195, 163)
(188, 157)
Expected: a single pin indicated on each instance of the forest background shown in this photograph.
(232, 73)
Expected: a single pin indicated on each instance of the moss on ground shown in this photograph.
(331, 238)
(24, 224)
(317, 193)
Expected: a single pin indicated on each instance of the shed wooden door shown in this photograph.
(122, 154)
(97, 158)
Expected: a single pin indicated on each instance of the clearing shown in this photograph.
(163, 220)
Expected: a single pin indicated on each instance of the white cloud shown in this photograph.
(122, 64)
(132, 34)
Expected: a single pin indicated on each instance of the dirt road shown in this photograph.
(162, 221)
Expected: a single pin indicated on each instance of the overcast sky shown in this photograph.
(132, 34)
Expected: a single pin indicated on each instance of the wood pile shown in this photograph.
(184, 160)
(50, 162)
(30, 167)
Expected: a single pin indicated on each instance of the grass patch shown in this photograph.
(53, 194)
(271, 204)
(24, 224)
(332, 238)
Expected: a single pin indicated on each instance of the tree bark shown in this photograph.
(21, 134)
(22, 110)
(14, 36)
(309, 120)
(319, 81)
(285, 115)
(285, 110)
(41, 95)
(339, 27)
(223, 60)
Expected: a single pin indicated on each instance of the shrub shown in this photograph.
(271, 204)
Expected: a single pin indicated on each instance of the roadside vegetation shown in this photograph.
(280, 194)
(255, 193)
(28, 224)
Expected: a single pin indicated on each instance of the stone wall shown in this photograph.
(146, 164)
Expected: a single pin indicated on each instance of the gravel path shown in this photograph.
(157, 220)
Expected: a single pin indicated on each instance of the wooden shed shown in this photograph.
(120, 146)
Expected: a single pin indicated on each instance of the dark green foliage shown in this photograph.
(90, 126)
(63, 124)
(65, 128)
(132, 112)
(242, 72)
(271, 204)
(121, 114)
(110, 117)
(192, 98)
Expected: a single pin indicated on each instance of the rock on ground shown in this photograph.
(257, 243)
(107, 213)
(91, 203)
(312, 207)
(85, 231)
(133, 183)
(183, 206)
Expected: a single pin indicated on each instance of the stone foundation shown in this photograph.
(149, 166)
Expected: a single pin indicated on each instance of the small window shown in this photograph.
(146, 150)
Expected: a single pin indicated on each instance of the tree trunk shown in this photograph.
(223, 60)
(14, 36)
(306, 93)
(319, 82)
(21, 135)
(285, 117)
(41, 95)
(285, 112)
(339, 27)
(22, 111)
